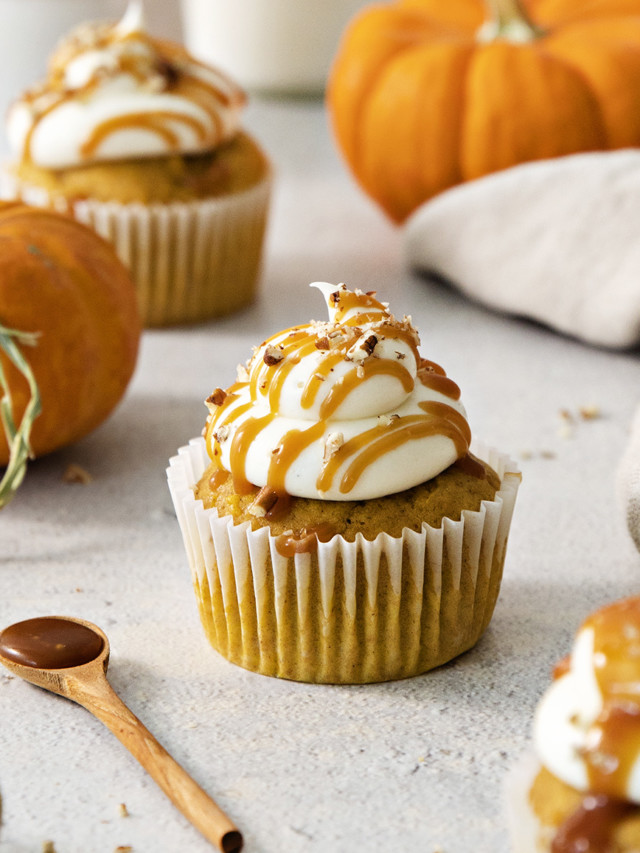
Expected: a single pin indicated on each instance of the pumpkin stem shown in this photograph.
(17, 436)
(507, 19)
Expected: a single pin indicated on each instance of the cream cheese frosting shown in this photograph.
(114, 92)
(587, 725)
(339, 410)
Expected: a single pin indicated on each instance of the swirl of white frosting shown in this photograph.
(114, 92)
(344, 410)
(577, 726)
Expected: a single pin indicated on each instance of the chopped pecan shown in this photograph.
(221, 434)
(74, 473)
(265, 500)
(217, 398)
(272, 355)
(369, 344)
(332, 443)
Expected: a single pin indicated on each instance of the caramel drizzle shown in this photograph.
(344, 301)
(297, 343)
(153, 122)
(357, 453)
(190, 86)
(304, 541)
(291, 446)
(218, 478)
(591, 826)
(351, 380)
(314, 382)
(371, 445)
(242, 440)
(617, 647)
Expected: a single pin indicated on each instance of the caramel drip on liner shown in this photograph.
(304, 541)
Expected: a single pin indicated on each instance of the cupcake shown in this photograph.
(337, 526)
(582, 791)
(134, 137)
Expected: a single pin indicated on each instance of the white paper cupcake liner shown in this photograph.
(190, 261)
(526, 833)
(355, 611)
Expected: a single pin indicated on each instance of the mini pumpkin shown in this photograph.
(69, 333)
(424, 94)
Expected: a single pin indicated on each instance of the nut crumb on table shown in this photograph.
(76, 474)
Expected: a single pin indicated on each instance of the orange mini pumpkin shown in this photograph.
(68, 309)
(426, 94)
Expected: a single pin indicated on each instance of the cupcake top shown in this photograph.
(338, 410)
(114, 92)
(587, 725)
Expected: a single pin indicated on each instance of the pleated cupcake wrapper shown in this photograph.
(355, 611)
(526, 833)
(190, 261)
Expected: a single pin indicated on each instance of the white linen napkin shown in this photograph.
(628, 481)
(557, 241)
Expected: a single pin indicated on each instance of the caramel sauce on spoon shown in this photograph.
(50, 642)
(70, 657)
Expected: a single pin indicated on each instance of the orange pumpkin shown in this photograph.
(61, 281)
(426, 94)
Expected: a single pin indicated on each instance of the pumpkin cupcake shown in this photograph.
(133, 136)
(337, 527)
(582, 791)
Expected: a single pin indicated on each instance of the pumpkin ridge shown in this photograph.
(584, 42)
(385, 108)
(589, 87)
(531, 134)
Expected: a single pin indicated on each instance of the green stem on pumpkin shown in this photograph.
(17, 436)
(508, 20)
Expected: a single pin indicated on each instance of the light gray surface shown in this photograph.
(416, 765)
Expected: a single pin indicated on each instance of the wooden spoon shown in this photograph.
(70, 657)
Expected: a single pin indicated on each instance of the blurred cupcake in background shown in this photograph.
(581, 793)
(133, 136)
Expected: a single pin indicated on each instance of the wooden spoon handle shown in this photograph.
(194, 803)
